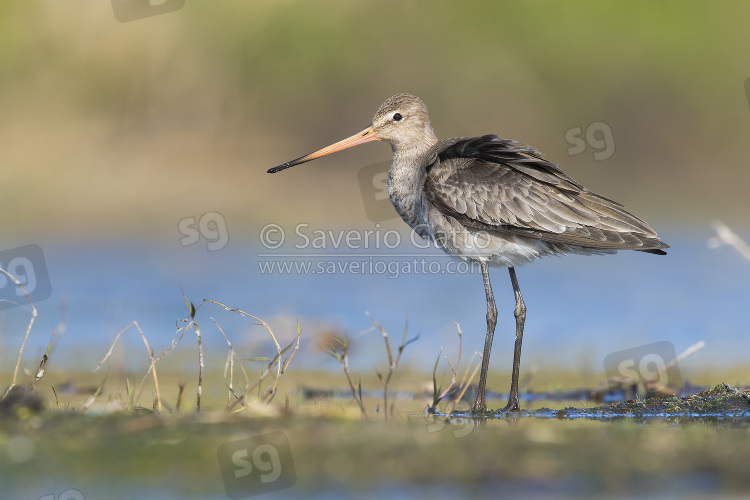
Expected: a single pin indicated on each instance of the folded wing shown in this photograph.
(500, 186)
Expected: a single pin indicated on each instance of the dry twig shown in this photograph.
(343, 358)
(150, 356)
(392, 363)
(28, 329)
(725, 236)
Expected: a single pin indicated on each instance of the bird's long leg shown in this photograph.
(480, 404)
(520, 314)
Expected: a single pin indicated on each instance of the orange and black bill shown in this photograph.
(366, 135)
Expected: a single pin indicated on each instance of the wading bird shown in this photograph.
(493, 201)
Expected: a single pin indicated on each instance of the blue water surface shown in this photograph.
(579, 308)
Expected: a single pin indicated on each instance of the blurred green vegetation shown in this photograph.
(105, 124)
(126, 454)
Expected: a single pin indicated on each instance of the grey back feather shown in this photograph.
(501, 186)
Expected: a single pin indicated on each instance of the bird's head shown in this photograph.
(402, 121)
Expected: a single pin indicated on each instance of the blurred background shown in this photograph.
(117, 138)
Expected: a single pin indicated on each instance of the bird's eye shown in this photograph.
(397, 117)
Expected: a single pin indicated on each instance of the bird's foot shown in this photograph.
(479, 407)
(512, 405)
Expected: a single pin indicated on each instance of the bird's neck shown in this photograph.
(411, 151)
(405, 180)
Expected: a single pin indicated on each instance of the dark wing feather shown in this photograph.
(501, 186)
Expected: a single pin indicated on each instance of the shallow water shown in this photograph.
(579, 308)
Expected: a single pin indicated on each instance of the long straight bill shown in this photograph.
(366, 135)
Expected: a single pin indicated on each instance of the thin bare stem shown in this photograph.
(179, 395)
(57, 401)
(464, 384)
(473, 374)
(230, 361)
(43, 363)
(343, 359)
(247, 377)
(267, 370)
(271, 389)
(435, 388)
(237, 399)
(678, 359)
(392, 364)
(725, 236)
(466, 380)
(98, 391)
(200, 364)
(150, 356)
(26, 335)
(175, 342)
(260, 322)
(281, 363)
(458, 364)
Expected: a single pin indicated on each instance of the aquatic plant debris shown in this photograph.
(718, 400)
(721, 402)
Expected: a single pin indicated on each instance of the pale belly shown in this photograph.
(497, 250)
